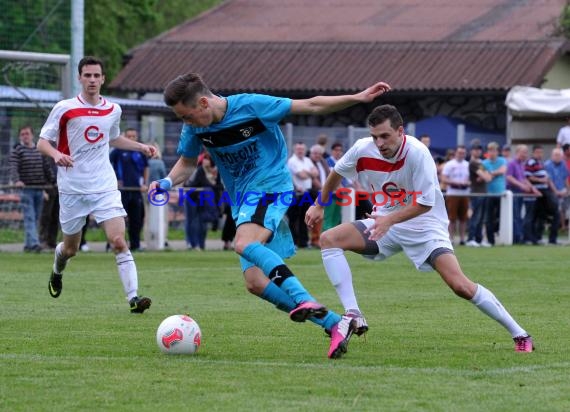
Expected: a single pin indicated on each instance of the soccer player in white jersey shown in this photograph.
(83, 128)
(409, 215)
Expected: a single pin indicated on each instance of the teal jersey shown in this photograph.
(247, 145)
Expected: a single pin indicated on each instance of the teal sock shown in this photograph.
(273, 267)
(263, 257)
(293, 287)
(273, 294)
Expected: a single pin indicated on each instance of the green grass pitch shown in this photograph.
(426, 349)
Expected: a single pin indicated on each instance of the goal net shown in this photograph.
(30, 84)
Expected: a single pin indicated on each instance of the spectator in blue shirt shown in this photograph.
(132, 173)
(496, 166)
(558, 173)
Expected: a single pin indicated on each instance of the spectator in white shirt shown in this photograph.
(303, 171)
(563, 135)
(455, 175)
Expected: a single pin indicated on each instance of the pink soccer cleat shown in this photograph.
(523, 344)
(308, 310)
(340, 335)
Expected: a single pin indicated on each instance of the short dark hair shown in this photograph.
(565, 147)
(335, 145)
(90, 61)
(385, 112)
(536, 146)
(24, 127)
(185, 89)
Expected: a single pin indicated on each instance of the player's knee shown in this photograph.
(329, 239)
(118, 243)
(240, 245)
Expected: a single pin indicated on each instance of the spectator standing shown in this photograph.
(497, 167)
(201, 208)
(478, 177)
(558, 173)
(545, 205)
(563, 137)
(316, 155)
(229, 228)
(131, 168)
(333, 214)
(49, 219)
(29, 170)
(566, 206)
(440, 164)
(322, 141)
(518, 183)
(426, 140)
(566, 153)
(303, 171)
(506, 153)
(455, 175)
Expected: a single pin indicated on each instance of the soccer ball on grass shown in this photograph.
(178, 334)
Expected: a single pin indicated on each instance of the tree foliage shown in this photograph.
(565, 21)
(112, 27)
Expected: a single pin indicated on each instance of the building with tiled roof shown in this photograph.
(442, 57)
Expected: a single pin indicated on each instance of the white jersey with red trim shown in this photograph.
(410, 176)
(84, 131)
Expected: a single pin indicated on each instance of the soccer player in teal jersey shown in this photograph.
(242, 134)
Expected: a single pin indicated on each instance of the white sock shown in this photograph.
(59, 262)
(128, 273)
(340, 276)
(490, 305)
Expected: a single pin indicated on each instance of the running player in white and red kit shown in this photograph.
(83, 128)
(399, 174)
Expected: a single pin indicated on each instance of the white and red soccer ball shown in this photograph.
(178, 334)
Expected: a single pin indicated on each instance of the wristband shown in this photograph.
(165, 184)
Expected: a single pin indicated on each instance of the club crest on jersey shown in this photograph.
(92, 134)
(246, 132)
(393, 191)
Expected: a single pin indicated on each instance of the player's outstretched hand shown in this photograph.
(371, 93)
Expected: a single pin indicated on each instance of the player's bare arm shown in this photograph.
(383, 223)
(330, 104)
(122, 142)
(60, 159)
(315, 212)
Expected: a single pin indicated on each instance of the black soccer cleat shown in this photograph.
(139, 304)
(55, 285)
